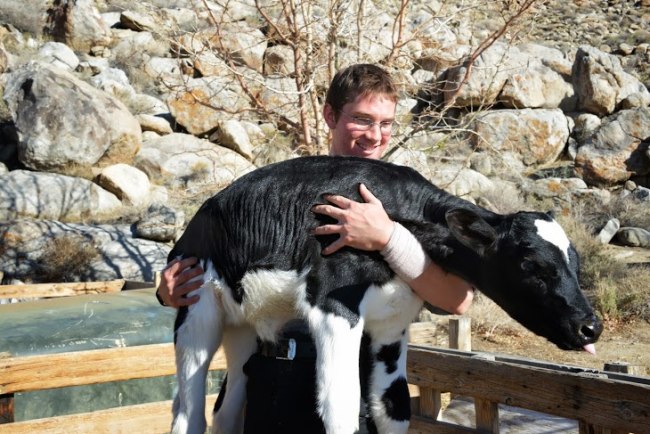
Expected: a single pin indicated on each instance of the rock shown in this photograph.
(482, 163)
(487, 79)
(461, 181)
(82, 25)
(616, 150)
(157, 124)
(535, 84)
(66, 124)
(160, 223)
(58, 55)
(51, 196)
(554, 187)
(411, 158)
(204, 102)
(539, 136)
(139, 21)
(245, 44)
(642, 194)
(114, 82)
(183, 161)
(129, 184)
(585, 126)
(634, 237)
(625, 49)
(608, 232)
(233, 135)
(279, 59)
(280, 95)
(601, 83)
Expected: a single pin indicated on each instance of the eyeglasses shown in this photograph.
(364, 124)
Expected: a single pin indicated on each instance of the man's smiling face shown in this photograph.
(351, 135)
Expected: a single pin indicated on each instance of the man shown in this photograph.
(360, 112)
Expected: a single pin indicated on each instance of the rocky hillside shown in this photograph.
(119, 118)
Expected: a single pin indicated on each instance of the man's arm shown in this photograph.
(366, 226)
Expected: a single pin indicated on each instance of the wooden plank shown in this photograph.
(602, 401)
(60, 289)
(586, 428)
(150, 418)
(135, 284)
(50, 371)
(423, 425)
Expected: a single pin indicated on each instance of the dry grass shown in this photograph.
(618, 292)
(64, 257)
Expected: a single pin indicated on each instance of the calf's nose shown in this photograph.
(590, 329)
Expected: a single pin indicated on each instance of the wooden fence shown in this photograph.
(601, 402)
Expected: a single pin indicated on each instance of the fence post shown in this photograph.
(430, 403)
(624, 368)
(7, 408)
(460, 333)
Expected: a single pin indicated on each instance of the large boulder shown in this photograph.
(65, 123)
(617, 150)
(183, 161)
(538, 135)
(603, 86)
(53, 196)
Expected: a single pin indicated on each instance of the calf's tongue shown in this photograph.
(590, 348)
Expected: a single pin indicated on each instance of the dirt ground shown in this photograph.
(629, 343)
(624, 343)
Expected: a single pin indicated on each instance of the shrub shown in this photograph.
(65, 257)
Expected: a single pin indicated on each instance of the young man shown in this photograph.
(360, 112)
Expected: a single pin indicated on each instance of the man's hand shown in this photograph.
(177, 281)
(361, 225)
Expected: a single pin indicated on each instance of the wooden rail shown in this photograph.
(47, 290)
(601, 402)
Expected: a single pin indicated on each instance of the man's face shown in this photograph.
(351, 135)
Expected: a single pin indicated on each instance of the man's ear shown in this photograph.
(330, 116)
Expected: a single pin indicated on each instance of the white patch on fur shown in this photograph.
(389, 308)
(270, 299)
(337, 370)
(554, 234)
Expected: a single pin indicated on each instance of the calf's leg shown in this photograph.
(239, 344)
(337, 370)
(197, 336)
(388, 395)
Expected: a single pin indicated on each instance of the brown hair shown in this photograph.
(359, 79)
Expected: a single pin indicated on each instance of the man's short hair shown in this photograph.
(359, 79)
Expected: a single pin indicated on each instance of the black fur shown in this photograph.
(263, 220)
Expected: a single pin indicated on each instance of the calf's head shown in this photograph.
(530, 269)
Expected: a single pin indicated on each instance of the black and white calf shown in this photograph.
(263, 268)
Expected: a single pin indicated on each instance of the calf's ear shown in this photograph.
(471, 230)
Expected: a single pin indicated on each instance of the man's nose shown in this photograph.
(374, 131)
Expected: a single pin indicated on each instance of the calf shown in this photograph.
(263, 268)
